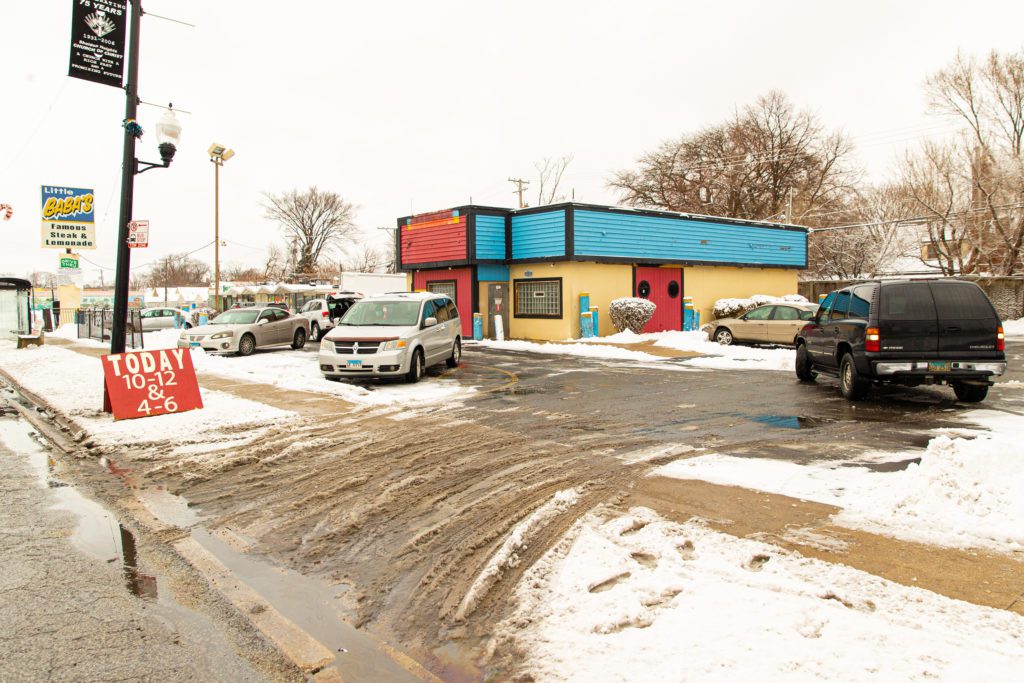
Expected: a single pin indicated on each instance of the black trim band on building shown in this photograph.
(570, 231)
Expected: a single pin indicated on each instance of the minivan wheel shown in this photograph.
(723, 336)
(299, 340)
(970, 393)
(453, 360)
(803, 365)
(416, 367)
(314, 332)
(851, 385)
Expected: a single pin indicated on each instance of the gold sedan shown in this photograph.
(768, 324)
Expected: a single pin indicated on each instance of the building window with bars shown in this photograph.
(446, 287)
(538, 298)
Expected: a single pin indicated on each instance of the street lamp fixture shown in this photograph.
(218, 155)
(168, 135)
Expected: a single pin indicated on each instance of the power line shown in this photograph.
(918, 219)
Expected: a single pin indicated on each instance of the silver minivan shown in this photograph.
(393, 335)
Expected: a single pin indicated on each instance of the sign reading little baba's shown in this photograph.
(69, 218)
(97, 40)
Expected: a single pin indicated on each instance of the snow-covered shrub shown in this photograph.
(733, 308)
(630, 313)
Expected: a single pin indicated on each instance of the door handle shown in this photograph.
(952, 328)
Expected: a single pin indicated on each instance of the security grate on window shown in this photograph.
(539, 297)
(447, 288)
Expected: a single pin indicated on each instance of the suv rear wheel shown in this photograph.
(970, 393)
(417, 367)
(803, 365)
(851, 385)
(314, 332)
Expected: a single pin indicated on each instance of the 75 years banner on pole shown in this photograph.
(97, 40)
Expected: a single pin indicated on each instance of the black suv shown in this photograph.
(907, 332)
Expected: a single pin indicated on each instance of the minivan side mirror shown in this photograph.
(430, 322)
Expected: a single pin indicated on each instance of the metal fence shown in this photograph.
(97, 323)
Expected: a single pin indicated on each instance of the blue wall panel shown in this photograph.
(490, 237)
(490, 272)
(600, 233)
(537, 235)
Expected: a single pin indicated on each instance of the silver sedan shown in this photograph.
(243, 330)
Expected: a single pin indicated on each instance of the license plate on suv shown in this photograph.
(940, 366)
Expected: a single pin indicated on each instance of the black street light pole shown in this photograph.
(168, 132)
(128, 170)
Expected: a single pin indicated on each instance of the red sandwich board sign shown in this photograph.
(147, 383)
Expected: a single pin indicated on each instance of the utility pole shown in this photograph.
(520, 188)
(789, 206)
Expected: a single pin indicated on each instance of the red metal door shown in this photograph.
(664, 288)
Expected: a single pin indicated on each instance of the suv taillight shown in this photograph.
(872, 340)
(1000, 340)
(325, 313)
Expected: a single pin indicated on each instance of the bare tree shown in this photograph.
(236, 272)
(366, 260)
(314, 221)
(768, 157)
(867, 238)
(178, 270)
(275, 266)
(971, 190)
(43, 279)
(550, 170)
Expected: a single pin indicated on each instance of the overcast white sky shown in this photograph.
(412, 106)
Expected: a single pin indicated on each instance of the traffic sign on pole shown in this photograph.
(138, 234)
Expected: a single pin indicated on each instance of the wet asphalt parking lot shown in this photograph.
(741, 412)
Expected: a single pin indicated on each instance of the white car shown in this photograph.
(323, 314)
(393, 335)
(243, 330)
(162, 319)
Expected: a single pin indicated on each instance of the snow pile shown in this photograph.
(733, 357)
(630, 313)
(508, 554)
(300, 371)
(73, 384)
(964, 493)
(638, 598)
(731, 308)
(582, 350)
(1014, 328)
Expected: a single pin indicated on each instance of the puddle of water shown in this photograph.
(311, 604)
(790, 421)
(169, 508)
(98, 532)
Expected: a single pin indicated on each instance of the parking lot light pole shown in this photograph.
(218, 155)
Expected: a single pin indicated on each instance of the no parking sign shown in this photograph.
(147, 383)
(138, 234)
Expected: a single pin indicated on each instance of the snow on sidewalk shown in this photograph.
(966, 491)
(73, 384)
(714, 356)
(639, 598)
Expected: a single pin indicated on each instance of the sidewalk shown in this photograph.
(69, 616)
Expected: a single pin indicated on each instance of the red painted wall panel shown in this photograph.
(442, 239)
(463, 278)
(669, 312)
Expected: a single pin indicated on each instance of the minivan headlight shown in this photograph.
(222, 335)
(392, 345)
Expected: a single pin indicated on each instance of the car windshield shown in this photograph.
(239, 317)
(396, 313)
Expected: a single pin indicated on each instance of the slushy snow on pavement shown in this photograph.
(639, 598)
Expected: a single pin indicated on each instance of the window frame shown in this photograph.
(540, 316)
(454, 284)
